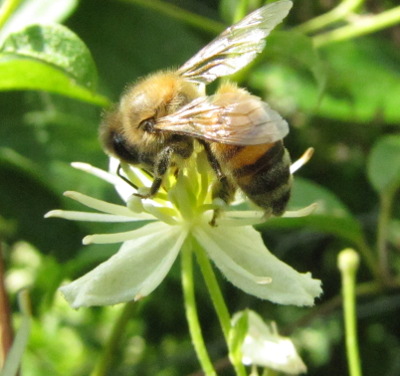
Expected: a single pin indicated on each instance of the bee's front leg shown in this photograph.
(161, 166)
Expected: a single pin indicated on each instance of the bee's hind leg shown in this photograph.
(222, 188)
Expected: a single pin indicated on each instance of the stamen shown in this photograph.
(302, 160)
(89, 217)
(135, 204)
(244, 213)
(118, 237)
(236, 218)
(239, 222)
(182, 198)
(100, 205)
(104, 175)
(207, 207)
(164, 214)
(303, 212)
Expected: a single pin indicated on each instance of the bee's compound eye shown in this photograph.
(123, 150)
(147, 124)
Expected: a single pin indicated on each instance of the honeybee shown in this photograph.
(159, 118)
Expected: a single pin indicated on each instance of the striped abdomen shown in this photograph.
(262, 172)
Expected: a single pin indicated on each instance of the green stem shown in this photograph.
(362, 26)
(6, 331)
(108, 356)
(192, 19)
(369, 257)
(345, 8)
(215, 292)
(386, 201)
(218, 302)
(191, 310)
(240, 11)
(348, 264)
(7, 9)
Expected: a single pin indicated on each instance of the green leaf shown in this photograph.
(305, 192)
(293, 75)
(51, 58)
(364, 82)
(37, 11)
(384, 164)
(18, 74)
(133, 42)
(299, 50)
(330, 216)
(359, 79)
(57, 46)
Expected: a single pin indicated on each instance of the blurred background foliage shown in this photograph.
(340, 94)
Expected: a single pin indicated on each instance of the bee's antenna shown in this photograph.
(124, 178)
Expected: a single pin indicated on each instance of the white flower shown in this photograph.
(263, 346)
(179, 212)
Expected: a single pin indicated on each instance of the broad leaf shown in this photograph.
(384, 164)
(51, 58)
(298, 50)
(37, 11)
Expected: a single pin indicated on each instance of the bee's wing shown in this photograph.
(246, 122)
(237, 46)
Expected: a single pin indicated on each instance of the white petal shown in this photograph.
(263, 346)
(133, 272)
(242, 256)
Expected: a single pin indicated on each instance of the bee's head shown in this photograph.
(113, 139)
(130, 129)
